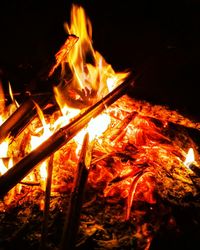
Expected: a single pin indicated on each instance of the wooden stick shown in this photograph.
(61, 55)
(60, 138)
(47, 204)
(19, 119)
(71, 225)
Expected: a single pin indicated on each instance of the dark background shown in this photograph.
(159, 38)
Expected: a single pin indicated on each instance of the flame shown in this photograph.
(189, 157)
(4, 145)
(5, 112)
(2, 101)
(98, 125)
(3, 168)
(37, 140)
(95, 129)
(10, 163)
(3, 149)
(86, 76)
(3, 153)
(11, 95)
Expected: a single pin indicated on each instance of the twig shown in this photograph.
(29, 183)
(47, 204)
(73, 216)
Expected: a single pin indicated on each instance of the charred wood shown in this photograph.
(73, 215)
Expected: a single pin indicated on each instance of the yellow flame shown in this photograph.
(95, 128)
(11, 95)
(98, 125)
(10, 163)
(4, 149)
(43, 170)
(189, 157)
(37, 140)
(1, 120)
(3, 153)
(3, 168)
(90, 74)
(2, 99)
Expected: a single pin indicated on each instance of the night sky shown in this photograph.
(159, 38)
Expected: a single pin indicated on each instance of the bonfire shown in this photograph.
(99, 170)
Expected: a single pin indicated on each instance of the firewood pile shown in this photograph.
(133, 185)
(136, 182)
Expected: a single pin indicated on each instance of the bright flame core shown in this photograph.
(189, 157)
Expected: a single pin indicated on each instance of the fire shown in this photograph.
(129, 148)
(11, 95)
(90, 78)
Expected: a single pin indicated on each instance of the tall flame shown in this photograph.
(85, 74)
(86, 77)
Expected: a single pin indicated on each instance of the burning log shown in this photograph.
(73, 216)
(21, 118)
(59, 138)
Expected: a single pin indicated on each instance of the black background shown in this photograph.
(160, 38)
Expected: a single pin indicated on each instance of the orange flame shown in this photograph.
(91, 76)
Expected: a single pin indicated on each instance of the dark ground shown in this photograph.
(162, 34)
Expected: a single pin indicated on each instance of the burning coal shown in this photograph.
(138, 152)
